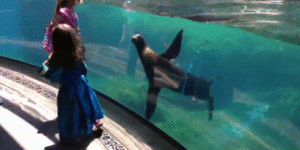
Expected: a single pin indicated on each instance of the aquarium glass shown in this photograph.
(249, 49)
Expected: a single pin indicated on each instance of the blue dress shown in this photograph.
(78, 105)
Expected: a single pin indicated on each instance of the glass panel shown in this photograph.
(255, 74)
(22, 29)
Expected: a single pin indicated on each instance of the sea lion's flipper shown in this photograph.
(151, 101)
(210, 108)
(174, 50)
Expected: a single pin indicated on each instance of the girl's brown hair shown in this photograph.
(67, 47)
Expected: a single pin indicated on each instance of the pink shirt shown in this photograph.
(69, 17)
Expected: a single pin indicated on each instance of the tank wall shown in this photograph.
(255, 80)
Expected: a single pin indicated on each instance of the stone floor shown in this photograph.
(28, 118)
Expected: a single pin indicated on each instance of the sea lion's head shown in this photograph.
(140, 42)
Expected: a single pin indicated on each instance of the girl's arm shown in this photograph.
(46, 62)
(51, 70)
(47, 43)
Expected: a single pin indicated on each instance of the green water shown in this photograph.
(257, 97)
(256, 73)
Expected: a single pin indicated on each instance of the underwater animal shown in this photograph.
(161, 73)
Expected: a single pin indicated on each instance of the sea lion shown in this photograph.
(161, 73)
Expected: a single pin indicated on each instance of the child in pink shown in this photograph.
(64, 13)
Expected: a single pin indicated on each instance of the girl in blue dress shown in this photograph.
(78, 105)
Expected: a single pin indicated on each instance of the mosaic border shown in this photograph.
(19, 78)
(110, 141)
(107, 139)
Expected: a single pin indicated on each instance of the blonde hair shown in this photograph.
(64, 3)
(61, 4)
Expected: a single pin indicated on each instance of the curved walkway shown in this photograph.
(28, 117)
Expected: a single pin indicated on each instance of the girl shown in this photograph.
(78, 106)
(64, 13)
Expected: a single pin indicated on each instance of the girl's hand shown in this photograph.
(47, 61)
(50, 56)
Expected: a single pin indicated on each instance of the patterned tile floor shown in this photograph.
(28, 115)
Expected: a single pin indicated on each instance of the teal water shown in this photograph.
(257, 97)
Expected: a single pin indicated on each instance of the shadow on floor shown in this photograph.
(80, 146)
(27, 117)
(48, 128)
(7, 142)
